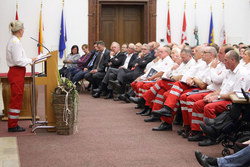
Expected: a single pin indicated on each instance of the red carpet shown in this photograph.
(110, 134)
(4, 129)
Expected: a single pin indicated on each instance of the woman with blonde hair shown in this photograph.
(16, 60)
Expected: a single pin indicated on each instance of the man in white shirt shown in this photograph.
(216, 102)
(197, 81)
(218, 72)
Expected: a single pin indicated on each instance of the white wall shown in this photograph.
(237, 23)
(75, 13)
(236, 18)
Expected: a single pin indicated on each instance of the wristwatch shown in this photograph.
(218, 97)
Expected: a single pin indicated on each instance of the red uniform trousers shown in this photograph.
(210, 111)
(174, 95)
(135, 86)
(16, 80)
(153, 91)
(169, 120)
(187, 103)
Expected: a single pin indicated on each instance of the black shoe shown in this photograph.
(109, 96)
(147, 113)
(137, 100)
(124, 97)
(96, 95)
(138, 106)
(105, 93)
(204, 160)
(206, 142)
(180, 131)
(165, 111)
(16, 129)
(116, 99)
(152, 118)
(209, 131)
(163, 127)
(196, 137)
(185, 134)
(143, 111)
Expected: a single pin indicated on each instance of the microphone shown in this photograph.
(39, 44)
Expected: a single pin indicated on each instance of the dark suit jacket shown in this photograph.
(118, 60)
(142, 63)
(102, 65)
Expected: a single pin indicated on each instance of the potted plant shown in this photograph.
(65, 105)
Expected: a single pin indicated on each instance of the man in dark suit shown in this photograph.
(112, 73)
(97, 73)
(126, 76)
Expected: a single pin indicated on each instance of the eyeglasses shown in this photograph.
(206, 52)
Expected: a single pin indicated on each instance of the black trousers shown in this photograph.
(95, 79)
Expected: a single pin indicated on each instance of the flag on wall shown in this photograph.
(168, 29)
(222, 35)
(40, 36)
(196, 35)
(211, 31)
(16, 11)
(222, 31)
(63, 38)
(183, 35)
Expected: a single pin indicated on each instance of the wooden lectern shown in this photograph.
(26, 106)
(51, 82)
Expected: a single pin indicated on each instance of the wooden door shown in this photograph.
(121, 23)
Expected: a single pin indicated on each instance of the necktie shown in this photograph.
(99, 60)
(92, 61)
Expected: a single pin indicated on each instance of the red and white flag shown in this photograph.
(222, 35)
(183, 35)
(16, 12)
(168, 29)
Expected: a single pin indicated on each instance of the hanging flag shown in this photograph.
(222, 35)
(222, 31)
(183, 35)
(16, 11)
(211, 31)
(40, 36)
(62, 41)
(168, 29)
(196, 36)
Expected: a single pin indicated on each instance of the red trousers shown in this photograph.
(174, 95)
(187, 103)
(16, 80)
(153, 91)
(210, 111)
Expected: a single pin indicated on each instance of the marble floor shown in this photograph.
(9, 152)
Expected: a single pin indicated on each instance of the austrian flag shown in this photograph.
(183, 35)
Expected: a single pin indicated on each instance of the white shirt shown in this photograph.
(247, 66)
(217, 76)
(183, 68)
(235, 80)
(15, 54)
(194, 69)
(165, 65)
(127, 60)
